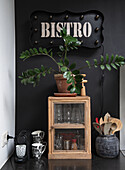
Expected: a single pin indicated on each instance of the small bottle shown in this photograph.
(78, 139)
(74, 144)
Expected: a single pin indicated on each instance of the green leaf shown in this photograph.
(75, 72)
(35, 50)
(78, 88)
(112, 58)
(61, 48)
(49, 70)
(45, 51)
(102, 67)
(122, 58)
(117, 64)
(114, 66)
(59, 54)
(63, 32)
(34, 84)
(30, 72)
(73, 82)
(31, 51)
(75, 47)
(116, 58)
(60, 64)
(88, 63)
(51, 54)
(122, 63)
(95, 63)
(38, 76)
(72, 66)
(69, 87)
(31, 80)
(71, 48)
(61, 61)
(63, 69)
(36, 70)
(22, 56)
(108, 67)
(44, 74)
(66, 61)
(78, 78)
(24, 81)
(73, 89)
(67, 75)
(20, 77)
(70, 80)
(107, 58)
(78, 43)
(102, 59)
(42, 68)
(40, 50)
(27, 53)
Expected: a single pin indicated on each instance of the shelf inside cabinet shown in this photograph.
(68, 126)
(70, 151)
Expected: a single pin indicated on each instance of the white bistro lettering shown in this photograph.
(45, 29)
(87, 29)
(52, 29)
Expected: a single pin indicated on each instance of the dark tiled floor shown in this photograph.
(96, 163)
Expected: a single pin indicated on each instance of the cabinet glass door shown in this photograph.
(69, 113)
(69, 139)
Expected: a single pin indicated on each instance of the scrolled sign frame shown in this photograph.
(86, 26)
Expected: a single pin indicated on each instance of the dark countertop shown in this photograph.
(96, 163)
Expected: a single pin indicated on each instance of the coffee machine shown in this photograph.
(23, 146)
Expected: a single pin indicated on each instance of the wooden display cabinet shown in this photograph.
(69, 125)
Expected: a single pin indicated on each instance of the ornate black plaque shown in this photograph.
(86, 26)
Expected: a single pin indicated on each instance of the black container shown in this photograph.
(107, 146)
(23, 138)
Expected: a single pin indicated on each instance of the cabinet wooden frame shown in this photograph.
(69, 154)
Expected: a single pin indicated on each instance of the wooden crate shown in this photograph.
(85, 126)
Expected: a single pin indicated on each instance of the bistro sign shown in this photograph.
(78, 30)
(86, 26)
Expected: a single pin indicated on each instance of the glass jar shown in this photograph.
(58, 142)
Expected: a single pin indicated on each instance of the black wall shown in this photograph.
(31, 106)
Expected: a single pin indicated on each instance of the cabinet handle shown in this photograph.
(52, 127)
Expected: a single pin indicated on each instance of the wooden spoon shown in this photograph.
(113, 128)
(117, 122)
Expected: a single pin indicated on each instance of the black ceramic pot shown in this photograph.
(107, 146)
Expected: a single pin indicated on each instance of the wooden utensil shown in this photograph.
(83, 90)
(97, 127)
(107, 127)
(113, 128)
(117, 122)
(102, 127)
(106, 117)
(101, 121)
